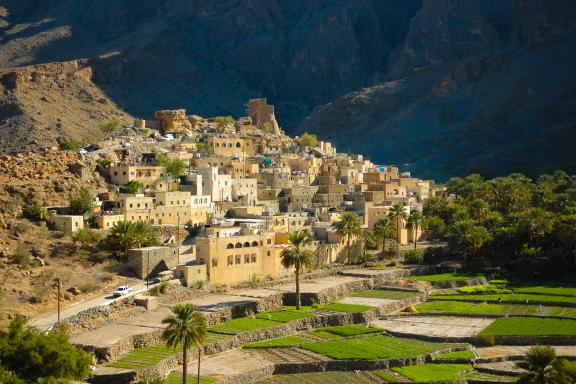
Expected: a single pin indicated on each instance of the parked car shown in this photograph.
(121, 291)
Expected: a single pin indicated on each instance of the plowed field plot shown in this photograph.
(504, 351)
(335, 377)
(290, 355)
(440, 326)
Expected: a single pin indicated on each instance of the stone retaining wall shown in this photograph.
(476, 315)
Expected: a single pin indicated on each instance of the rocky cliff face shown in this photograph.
(477, 86)
(450, 86)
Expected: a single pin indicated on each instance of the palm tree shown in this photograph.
(385, 229)
(543, 367)
(348, 226)
(298, 258)
(185, 327)
(465, 236)
(414, 223)
(122, 234)
(397, 214)
(144, 234)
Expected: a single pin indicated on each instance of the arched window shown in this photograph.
(254, 243)
(253, 257)
(238, 145)
(246, 244)
(230, 260)
(238, 245)
(238, 259)
(230, 246)
(246, 259)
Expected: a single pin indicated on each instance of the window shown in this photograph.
(254, 243)
(130, 205)
(268, 253)
(269, 241)
(138, 205)
(246, 244)
(230, 260)
(230, 246)
(238, 259)
(253, 257)
(214, 263)
(238, 245)
(115, 173)
(246, 259)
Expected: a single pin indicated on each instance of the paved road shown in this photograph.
(46, 322)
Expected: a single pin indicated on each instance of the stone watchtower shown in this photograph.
(260, 112)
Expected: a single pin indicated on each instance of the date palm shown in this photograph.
(144, 234)
(385, 229)
(349, 226)
(298, 258)
(397, 213)
(414, 222)
(185, 327)
(543, 367)
(122, 234)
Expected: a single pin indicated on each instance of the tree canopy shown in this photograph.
(510, 224)
(30, 356)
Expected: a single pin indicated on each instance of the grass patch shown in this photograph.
(483, 289)
(462, 307)
(514, 297)
(373, 347)
(343, 331)
(144, 357)
(176, 378)
(388, 294)
(482, 376)
(543, 289)
(447, 277)
(287, 341)
(530, 326)
(347, 308)
(457, 355)
(434, 372)
(243, 324)
(285, 314)
(386, 376)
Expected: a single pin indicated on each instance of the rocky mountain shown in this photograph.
(448, 86)
(477, 86)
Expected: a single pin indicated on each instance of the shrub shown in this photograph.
(434, 255)
(163, 287)
(68, 145)
(200, 284)
(131, 187)
(85, 237)
(110, 126)
(82, 203)
(414, 256)
(222, 121)
(99, 256)
(21, 256)
(308, 140)
(90, 286)
(267, 127)
(35, 212)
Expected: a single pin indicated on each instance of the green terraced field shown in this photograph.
(287, 341)
(285, 314)
(243, 324)
(373, 347)
(530, 326)
(434, 372)
(389, 294)
(343, 331)
(457, 355)
(144, 357)
(463, 307)
(176, 378)
(514, 297)
(347, 308)
(447, 277)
